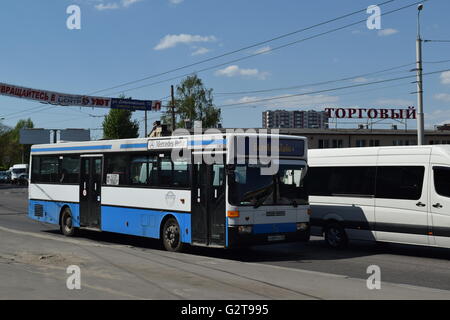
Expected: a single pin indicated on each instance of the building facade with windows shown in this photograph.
(351, 138)
(295, 119)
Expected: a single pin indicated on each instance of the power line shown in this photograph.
(441, 61)
(241, 49)
(271, 50)
(318, 83)
(246, 57)
(436, 40)
(328, 90)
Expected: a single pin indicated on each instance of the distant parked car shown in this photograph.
(5, 177)
(22, 179)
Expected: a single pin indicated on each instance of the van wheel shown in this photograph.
(171, 236)
(66, 224)
(335, 236)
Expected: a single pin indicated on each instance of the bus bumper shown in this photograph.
(238, 239)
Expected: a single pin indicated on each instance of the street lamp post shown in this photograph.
(420, 121)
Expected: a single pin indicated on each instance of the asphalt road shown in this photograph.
(34, 258)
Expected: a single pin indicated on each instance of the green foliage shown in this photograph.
(11, 151)
(194, 102)
(118, 124)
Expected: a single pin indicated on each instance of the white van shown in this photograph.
(387, 194)
(19, 172)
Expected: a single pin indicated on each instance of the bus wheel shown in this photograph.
(171, 236)
(335, 236)
(66, 224)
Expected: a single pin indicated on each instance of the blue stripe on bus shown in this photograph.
(101, 147)
(138, 222)
(142, 222)
(274, 228)
(133, 145)
(51, 211)
(207, 142)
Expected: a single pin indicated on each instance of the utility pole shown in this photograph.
(172, 107)
(145, 120)
(420, 120)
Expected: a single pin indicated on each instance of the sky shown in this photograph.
(125, 40)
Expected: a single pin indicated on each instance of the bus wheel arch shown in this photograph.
(66, 222)
(335, 235)
(170, 234)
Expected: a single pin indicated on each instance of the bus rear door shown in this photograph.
(208, 205)
(90, 191)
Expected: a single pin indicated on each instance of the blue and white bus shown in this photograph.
(136, 187)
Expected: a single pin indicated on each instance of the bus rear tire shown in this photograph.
(335, 236)
(66, 223)
(171, 236)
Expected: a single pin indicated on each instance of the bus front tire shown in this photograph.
(335, 236)
(66, 224)
(171, 236)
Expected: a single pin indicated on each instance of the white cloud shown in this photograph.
(436, 117)
(387, 32)
(115, 5)
(127, 3)
(442, 97)
(235, 70)
(108, 6)
(171, 40)
(287, 102)
(176, 1)
(200, 51)
(360, 80)
(445, 77)
(262, 50)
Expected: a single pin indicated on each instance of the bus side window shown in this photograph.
(139, 170)
(117, 164)
(35, 169)
(165, 178)
(70, 169)
(181, 174)
(49, 169)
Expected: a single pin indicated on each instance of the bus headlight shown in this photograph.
(302, 226)
(245, 229)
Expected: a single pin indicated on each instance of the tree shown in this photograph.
(11, 151)
(118, 124)
(194, 102)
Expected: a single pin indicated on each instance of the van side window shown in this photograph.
(442, 181)
(328, 181)
(395, 182)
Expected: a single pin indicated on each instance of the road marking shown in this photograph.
(48, 237)
(86, 243)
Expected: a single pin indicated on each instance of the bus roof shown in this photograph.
(442, 150)
(142, 144)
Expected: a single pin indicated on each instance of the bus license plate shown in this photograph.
(276, 238)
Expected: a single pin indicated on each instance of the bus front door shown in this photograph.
(208, 205)
(90, 191)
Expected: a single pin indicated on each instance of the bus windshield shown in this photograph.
(249, 187)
